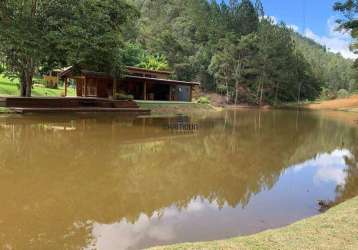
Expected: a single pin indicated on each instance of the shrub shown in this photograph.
(342, 93)
(204, 100)
(327, 94)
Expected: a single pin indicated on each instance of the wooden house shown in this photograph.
(142, 84)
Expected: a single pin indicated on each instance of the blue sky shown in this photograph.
(314, 19)
(316, 14)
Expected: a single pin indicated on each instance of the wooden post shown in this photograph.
(66, 79)
(114, 87)
(145, 90)
(191, 94)
(85, 87)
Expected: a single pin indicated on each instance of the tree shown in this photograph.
(81, 33)
(22, 32)
(223, 64)
(259, 9)
(230, 46)
(247, 18)
(90, 33)
(246, 66)
(349, 9)
(349, 22)
(154, 62)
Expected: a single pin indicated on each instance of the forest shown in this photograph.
(232, 48)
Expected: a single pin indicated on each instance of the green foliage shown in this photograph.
(10, 87)
(259, 8)
(327, 94)
(349, 22)
(154, 62)
(247, 17)
(204, 100)
(230, 47)
(342, 93)
(135, 55)
(332, 69)
(349, 9)
(85, 34)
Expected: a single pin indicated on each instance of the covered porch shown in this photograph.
(140, 87)
(153, 89)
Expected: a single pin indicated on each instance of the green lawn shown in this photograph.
(10, 88)
(175, 107)
(335, 229)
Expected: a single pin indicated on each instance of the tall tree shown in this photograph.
(259, 9)
(349, 9)
(223, 64)
(349, 22)
(247, 17)
(22, 32)
(84, 33)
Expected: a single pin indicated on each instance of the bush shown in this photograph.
(342, 93)
(123, 97)
(327, 94)
(204, 100)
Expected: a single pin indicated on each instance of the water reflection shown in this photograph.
(107, 182)
(329, 167)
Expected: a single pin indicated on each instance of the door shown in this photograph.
(183, 93)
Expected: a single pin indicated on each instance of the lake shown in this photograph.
(109, 182)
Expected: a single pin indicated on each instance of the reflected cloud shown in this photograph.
(329, 167)
(161, 227)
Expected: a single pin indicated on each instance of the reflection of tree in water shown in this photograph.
(56, 175)
(350, 187)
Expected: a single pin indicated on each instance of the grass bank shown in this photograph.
(10, 88)
(173, 108)
(5, 111)
(335, 229)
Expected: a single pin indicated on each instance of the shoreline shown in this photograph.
(335, 229)
(349, 104)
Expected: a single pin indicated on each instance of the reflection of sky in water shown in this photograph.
(293, 197)
(329, 167)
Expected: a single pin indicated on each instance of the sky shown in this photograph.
(314, 19)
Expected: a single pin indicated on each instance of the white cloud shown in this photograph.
(162, 226)
(335, 41)
(273, 19)
(293, 27)
(329, 167)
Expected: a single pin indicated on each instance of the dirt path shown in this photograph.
(350, 103)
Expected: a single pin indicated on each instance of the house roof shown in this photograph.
(165, 81)
(68, 72)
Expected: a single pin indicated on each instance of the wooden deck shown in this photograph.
(135, 111)
(70, 104)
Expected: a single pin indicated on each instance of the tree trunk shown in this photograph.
(28, 86)
(276, 94)
(261, 91)
(261, 94)
(227, 92)
(299, 94)
(28, 83)
(22, 84)
(236, 94)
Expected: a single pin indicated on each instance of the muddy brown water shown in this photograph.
(109, 182)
